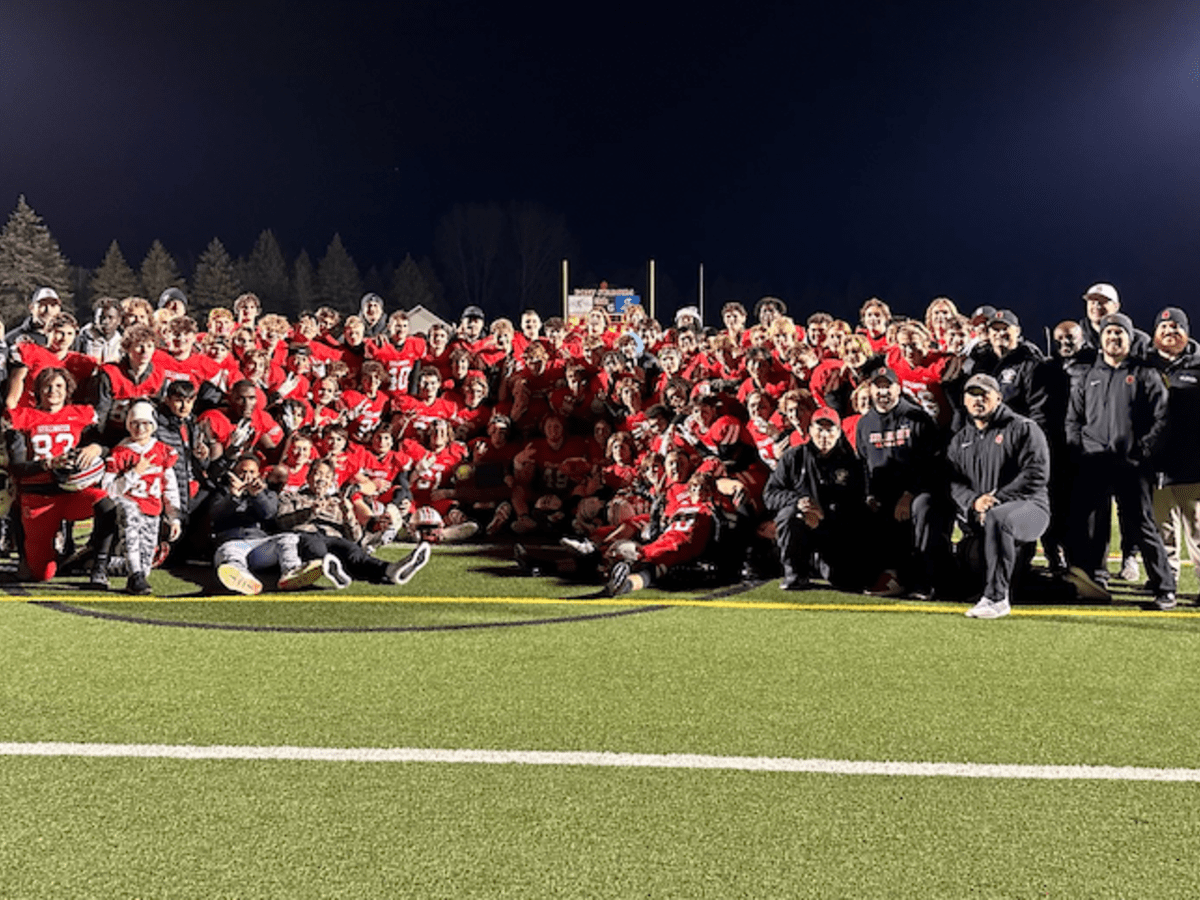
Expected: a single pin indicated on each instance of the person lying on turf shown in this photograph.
(328, 532)
(687, 534)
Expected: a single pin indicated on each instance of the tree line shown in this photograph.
(500, 257)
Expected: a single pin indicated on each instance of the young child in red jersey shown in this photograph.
(141, 479)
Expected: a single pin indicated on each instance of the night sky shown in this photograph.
(1009, 153)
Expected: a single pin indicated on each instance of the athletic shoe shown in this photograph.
(332, 568)
(1130, 570)
(582, 547)
(989, 609)
(1056, 560)
(138, 585)
(402, 572)
(98, 580)
(924, 594)
(1085, 586)
(238, 579)
(795, 583)
(303, 577)
(463, 531)
(524, 563)
(618, 580)
(1165, 601)
(886, 586)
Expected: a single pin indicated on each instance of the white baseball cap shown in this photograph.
(1103, 289)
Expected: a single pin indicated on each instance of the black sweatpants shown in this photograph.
(361, 565)
(1100, 478)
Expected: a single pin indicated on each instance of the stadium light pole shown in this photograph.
(650, 288)
(565, 286)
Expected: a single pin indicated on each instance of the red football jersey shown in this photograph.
(149, 488)
(364, 413)
(50, 435)
(197, 368)
(36, 357)
(399, 361)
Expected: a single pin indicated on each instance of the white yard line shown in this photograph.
(585, 758)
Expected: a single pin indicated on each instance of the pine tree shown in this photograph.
(304, 283)
(409, 287)
(215, 281)
(266, 274)
(114, 278)
(338, 277)
(160, 272)
(29, 259)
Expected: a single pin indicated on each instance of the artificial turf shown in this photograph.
(725, 677)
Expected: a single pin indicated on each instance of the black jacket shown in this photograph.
(1023, 376)
(244, 517)
(1122, 411)
(1179, 456)
(1062, 374)
(179, 434)
(1010, 457)
(836, 481)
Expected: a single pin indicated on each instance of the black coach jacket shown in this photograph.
(1009, 457)
(1179, 456)
(1122, 411)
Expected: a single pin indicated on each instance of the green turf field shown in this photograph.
(504, 662)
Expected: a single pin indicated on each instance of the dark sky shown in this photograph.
(1010, 153)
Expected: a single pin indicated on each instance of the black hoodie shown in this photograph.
(902, 450)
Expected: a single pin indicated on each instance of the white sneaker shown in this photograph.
(582, 546)
(303, 577)
(1130, 570)
(989, 609)
(402, 572)
(331, 568)
(238, 579)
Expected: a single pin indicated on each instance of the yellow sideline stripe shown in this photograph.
(720, 603)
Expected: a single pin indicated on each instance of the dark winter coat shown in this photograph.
(179, 434)
(1121, 411)
(1179, 457)
(1009, 457)
(1023, 377)
(836, 481)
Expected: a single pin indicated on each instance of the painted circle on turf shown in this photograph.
(207, 616)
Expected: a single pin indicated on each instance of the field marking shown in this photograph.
(598, 759)
(340, 597)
